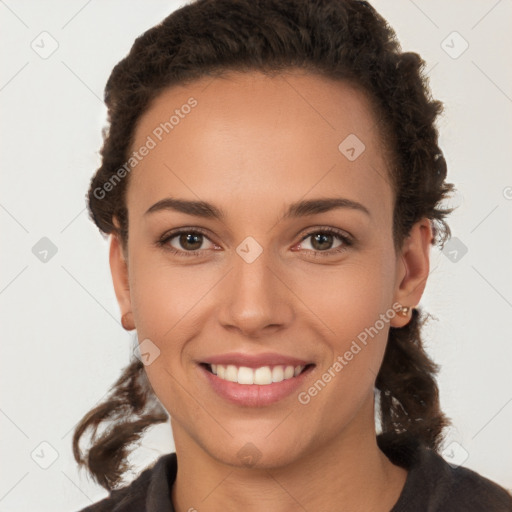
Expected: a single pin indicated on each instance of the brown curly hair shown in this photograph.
(344, 40)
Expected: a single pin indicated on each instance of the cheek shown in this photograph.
(166, 299)
(354, 306)
(350, 298)
(165, 303)
(168, 306)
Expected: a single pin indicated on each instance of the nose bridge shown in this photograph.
(255, 296)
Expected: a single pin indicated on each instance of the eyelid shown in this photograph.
(327, 229)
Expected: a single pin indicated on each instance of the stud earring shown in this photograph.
(404, 311)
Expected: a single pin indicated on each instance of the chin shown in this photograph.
(256, 452)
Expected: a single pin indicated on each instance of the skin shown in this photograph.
(253, 145)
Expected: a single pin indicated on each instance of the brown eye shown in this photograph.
(186, 242)
(321, 241)
(190, 241)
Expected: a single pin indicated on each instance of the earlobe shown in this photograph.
(120, 279)
(127, 321)
(413, 265)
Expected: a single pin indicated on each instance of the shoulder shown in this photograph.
(135, 496)
(433, 485)
(469, 490)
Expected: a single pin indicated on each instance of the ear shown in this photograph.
(413, 266)
(119, 270)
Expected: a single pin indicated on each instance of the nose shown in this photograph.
(256, 300)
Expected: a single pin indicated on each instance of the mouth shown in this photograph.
(255, 382)
(261, 376)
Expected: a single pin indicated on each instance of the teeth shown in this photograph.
(245, 375)
(277, 374)
(262, 376)
(231, 373)
(288, 372)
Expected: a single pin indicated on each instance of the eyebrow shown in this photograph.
(297, 209)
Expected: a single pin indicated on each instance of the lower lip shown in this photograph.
(254, 395)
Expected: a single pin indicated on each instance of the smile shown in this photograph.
(254, 381)
(262, 376)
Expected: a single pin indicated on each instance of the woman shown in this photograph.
(272, 181)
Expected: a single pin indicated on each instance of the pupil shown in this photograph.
(188, 239)
(321, 238)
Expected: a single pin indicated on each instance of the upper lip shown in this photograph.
(256, 360)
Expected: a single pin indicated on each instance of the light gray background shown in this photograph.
(63, 345)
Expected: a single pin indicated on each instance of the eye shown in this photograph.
(323, 242)
(191, 242)
(186, 242)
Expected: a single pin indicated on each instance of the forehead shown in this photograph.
(245, 134)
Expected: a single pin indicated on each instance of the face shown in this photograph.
(260, 250)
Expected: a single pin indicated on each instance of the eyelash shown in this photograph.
(347, 241)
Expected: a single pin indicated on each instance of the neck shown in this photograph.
(349, 470)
